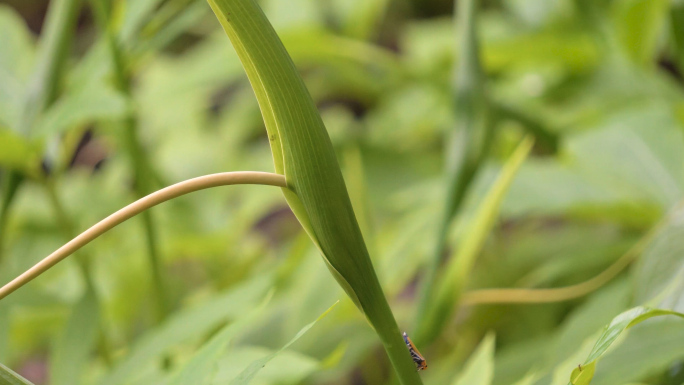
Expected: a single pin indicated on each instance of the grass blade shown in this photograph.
(467, 149)
(198, 369)
(175, 330)
(8, 377)
(248, 374)
(454, 279)
(303, 153)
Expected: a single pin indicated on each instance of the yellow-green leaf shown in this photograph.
(583, 374)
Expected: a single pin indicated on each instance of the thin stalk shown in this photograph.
(66, 224)
(468, 150)
(10, 185)
(544, 136)
(511, 296)
(53, 52)
(677, 31)
(43, 88)
(493, 296)
(151, 200)
(139, 162)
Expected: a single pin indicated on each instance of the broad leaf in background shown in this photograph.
(583, 374)
(639, 24)
(16, 61)
(660, 271)
(479, 370)
(8, 377)
(635, 154)
(17, 153)
(199, 368)
(248, 374)
(71, 353)
(95, 100)
(288, 368)
(185, 325)
(648, 349)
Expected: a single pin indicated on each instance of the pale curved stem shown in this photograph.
(142, 204)
(511, 296)
(489, 296)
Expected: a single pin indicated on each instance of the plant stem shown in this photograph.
(677, 31)
(468, 150)
(43, 88)
(67, 227)
(157, 197)
(139, 162)
(53, 52)
(10, 185)
(302, 150)
(491, 296)
(66, 224)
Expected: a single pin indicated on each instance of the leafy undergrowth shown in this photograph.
(599, 196)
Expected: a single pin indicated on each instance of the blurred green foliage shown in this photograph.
(598, 83)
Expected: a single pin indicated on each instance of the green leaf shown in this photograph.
(198, 369)
(454, 278)
(583, 374)
(17, 153)
(54, 47)
(16, 62)
(303, 153)
(8, 377)
(289, 367)
(468, 148)
(248, 374)
(677, 30)
(185, 325)
(649, 348)
(134, 15)
(639, 24)
(93, 102)
(71, 353)
(479, 370)
(660, 269)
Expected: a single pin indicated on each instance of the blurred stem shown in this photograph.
(509, 296)
(489, 296)
(53, 52)
(67, 226)
(592, 13)
(677, 29)
(545, 137)
(10, 185)
(151, 200)
(43, 88)
(139, 162)
(468, 150)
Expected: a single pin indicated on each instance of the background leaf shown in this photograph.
(72, 350)
(584, 374)
(248, 374)
(479, 369)
(198, 369)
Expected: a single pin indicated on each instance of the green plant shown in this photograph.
(566, 220)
